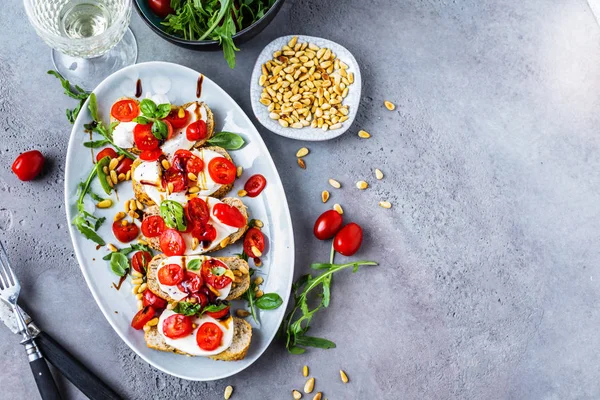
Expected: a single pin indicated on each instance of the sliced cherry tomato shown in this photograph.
(254, 238)
(327, 225)
(171, 243)
(177, 326)
(150, 299)
(143, 137)
(191, 283)
(169, 129)
(204, 232)
(196, 130)
(197, 210)
(175, 120)
(208, 293)
(221, 170)
(125, 110)
(175, 177)
(124, 166)
(151, 155)
(199, 297)
(153, 226)
(186, 161)
(127, 233)
(255, 185)
(28, 165)
(213, 271)
(218, 314)
(109, 151)
(229, 215)
(209, 336)
(142, 317)
(348, 240)
(195, 165)
(170, 274)
(140, 261)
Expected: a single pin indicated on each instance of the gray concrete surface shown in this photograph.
(488, 284)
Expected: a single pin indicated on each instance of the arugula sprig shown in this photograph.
(190, 309)
(268, 301)
(152, 113)
(119, 263)
(74, 92)
(86, 222)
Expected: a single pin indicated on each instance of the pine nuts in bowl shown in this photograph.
(305, 88)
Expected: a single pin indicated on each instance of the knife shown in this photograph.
(65, 362)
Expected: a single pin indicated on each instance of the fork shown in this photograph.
(9, 292)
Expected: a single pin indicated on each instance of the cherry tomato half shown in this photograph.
(255, 185)
(186, 161)
(204, 232)
(124, 166)
(142, 317)
(348, 240)
(151, 155)
(140, 261)
(150, 299)
(196, 130)
(229, 215)
(200, 297)
(162, 8)
(218, 314)
(327, 225)
(153, 226)
(176, 177)
(109, 151)
(127, 233)
(171, 243)
(177, 121)
(209, 336)
(191, 283)
(213, 271)
(196, 210)
(143, 137)
(170, 275)
(125, 110)
(177, 326)
(28, 165)
(254, 238)
(221, 170)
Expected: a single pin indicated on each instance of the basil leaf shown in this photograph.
(172, 213)
(218, 271)
(193, 265)
(187, 308)
(101, 175)
(269, 301)
(141, 120)
(119, 264)
(215, 307)
(162, 111)
(94, 144)
(227, 140)
(160, 130)
(314, 342)
(148, 108)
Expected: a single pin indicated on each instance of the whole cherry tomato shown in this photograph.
(109, 151)
(254, 238)
(162, 8)
(125, 233)
(196, 130)
(142, 317)
(348, 240)
(255, 185)
(150, 299)
(140, 261)
(28, 165)
(327, 225)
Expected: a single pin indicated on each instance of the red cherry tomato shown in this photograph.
(327, 225)
(151, 155)
(170, 275)
(218, 314)
(125, 110)
(140, 261)
(348, 240)
(127, 233)
(124, 166)
(142, 317)
(191, 283)
(200, 298)
(153, 226)
(175, 177)
(213, 273)
(196, 210)
(109, 151)
(186, 161)
(208, 293)
(196, 130)
(177, 326)
(143, 137)
(229, 215)
(195, 165)
(209, 336)
(28, 165)
(221, 170)
(175, 120)
(162, 8)
(169, 129)
(255, 185)
(254, 237)
(150, 299)
(171, 243)
(204, 232)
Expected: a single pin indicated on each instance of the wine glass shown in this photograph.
(90, 39)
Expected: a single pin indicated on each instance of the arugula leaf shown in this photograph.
(186, 308)
(172, 213)
(74, 92)
(160, 130)
(224, 36)
(148, 108)
(227, 140)
(93, 107)
(127, 250)
(85, 222)
(102, 176)
(315, 342)
(87, 230)
(269, 301)
(94, 144)
(193, 265)
(162, 111)
(119, 264)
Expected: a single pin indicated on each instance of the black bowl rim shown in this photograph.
(200, 42)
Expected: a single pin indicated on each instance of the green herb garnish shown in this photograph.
(268, 301)
(227, 140)
(193, 265)
(74, 92)
(85, 222)
(172, 212)
(102, 176)
(189, 309)
(152, 113)
(119, 264)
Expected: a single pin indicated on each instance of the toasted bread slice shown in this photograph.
(242, 336)
(234, 263)
(142, 196)
(232, 201)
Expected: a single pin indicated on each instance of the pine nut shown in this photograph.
(318, 396)
(215, 291)
(137, 281)
(192, 177)
(239, 171)
(309, 385)
(256, 251)
(378, 174)
(165, 164)
(242, 193)
(140, 305)
(104, 203)
(195, 243)
(301, 163)
(135, 289)
(343, 376)
(124, 222)
(258, 280)
(364, 134)
(274, 115)
(113, 164)
(228, 392)
(113, 177)
(305, 371)
(389, 105)
(259, 293)
(225, 242)
(296, 395)
(105, 170)
(110, 182)
(194, 189)
(302, 152)
(170, 306)
(121, 177)
(324, 196)
(243, 269)
(362, 185)
(133, 214)
(283, 123)
(142, 288)
(335, 183)
(132, 205)
(112, 247)
(152, 322)
(385, 204)
(139, 296)
(139, 205)
(128, 175)
(338, 208)
(136, 274)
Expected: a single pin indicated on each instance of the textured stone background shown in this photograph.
(488, 284)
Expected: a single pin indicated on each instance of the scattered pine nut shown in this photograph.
(258, 280)
(335, 183)
(135, 289)
(256, 251)
(112, 247)
(139, 296)
(142, 287)
(142, 242)
(105, 170)
(113, 164)
(170, 306)
(121, 177)
(258, 223)
(137, 281)
(301, 163)
(324, 196)
(309, 385)
(133, 214)
(364, 134)
(242, 193)
(239, 171)
(139, 205)
(318, 396)
(385, 204)
(152, 322)
(124, 222)
(305, 371)
(136, 273)
(296, 395)
(165, 164)
(242, 313)
(110, 182)
(302, 152)
(389, 105)
(362, 185)
(132, 205)
(193, 189)
(181, 112)
(228, 392)
(378, 174)
(259, 293)
(343, 376)
(338, 208)
(128, 175)
(225, 242)
(192, 176)
(113, 177)
(104, 203)
(195, 243)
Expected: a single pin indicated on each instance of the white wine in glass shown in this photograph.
(90, 39)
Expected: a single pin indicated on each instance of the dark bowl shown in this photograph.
(240, 37)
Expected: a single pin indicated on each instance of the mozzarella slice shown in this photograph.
(123, 134)
(179, 139)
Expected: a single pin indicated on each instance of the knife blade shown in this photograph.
(65, 362)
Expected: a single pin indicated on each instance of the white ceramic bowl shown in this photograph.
(307, 133)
